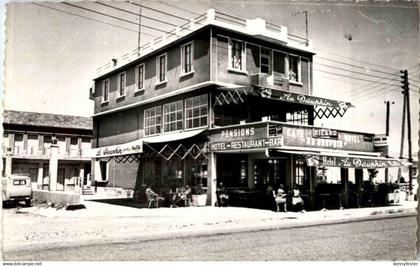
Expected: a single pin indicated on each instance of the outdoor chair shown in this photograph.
(152, 200)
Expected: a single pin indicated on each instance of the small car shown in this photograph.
(16, 188)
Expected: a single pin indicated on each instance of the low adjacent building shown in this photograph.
(47, 147)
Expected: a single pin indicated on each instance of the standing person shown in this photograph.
(281, 198)
(270, 195)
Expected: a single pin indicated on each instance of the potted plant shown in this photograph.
(199, 195)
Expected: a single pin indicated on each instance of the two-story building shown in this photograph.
(29, 138)
(221, 99)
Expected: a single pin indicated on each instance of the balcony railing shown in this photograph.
(270, 81)
(44, 152)
(248, 26)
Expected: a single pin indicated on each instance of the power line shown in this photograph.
(143, 16)
(352, 71)
(364, 62)
(159, 11)
(114, 17)
(351, 77)
(92, 19)
(356, 66)
(180, 8)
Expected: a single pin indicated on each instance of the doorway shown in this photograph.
(270, 171)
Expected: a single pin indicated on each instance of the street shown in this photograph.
(383, 239)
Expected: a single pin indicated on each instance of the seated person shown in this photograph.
(297, 199)
(281, 198)
(222, 196)
(186, 195)
(152, 197)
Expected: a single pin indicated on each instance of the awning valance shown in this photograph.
(115, 150)
(292, 97)
(346, 160)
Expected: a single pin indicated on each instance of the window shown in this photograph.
(300, 171)
(196, 111)
(140, 75)
(265, 61)
(294, 68)
(279, 64)
(237, 55)
(105, 90)
(186, 58)
(153, 121)
(121, 84)
(172, 116)
(161, 69)
(298, 117)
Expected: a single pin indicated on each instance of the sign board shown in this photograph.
(115, 150)
(301, 98)
(324, 133)
(350, 162)
(380, 140)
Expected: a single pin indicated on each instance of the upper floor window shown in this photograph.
(121, 84)
(236, 55)
(172, 116)
(105, 90)
(294, 68)
(187, 57)
(196, 111)
(153, 121)
(140, 75)
(265, 61)
(298, 117)
(161, 68)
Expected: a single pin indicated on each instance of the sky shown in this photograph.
(51, 57)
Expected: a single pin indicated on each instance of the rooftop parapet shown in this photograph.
(254, 27)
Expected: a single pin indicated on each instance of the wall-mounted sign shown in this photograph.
(324, 133)
(247, 144)
(347, 162)
(115, 150)
(380, 140)
(267, 134)
(275, 130)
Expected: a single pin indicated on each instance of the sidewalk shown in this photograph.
(105, 223)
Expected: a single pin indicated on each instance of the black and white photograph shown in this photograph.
(210, 131)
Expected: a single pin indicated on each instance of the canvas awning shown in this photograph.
(163, 138)
(345, 159)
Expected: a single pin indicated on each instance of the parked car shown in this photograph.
(17, 188)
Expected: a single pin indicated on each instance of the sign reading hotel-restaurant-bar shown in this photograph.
(270, 135)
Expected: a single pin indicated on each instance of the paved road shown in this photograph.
(386, 239)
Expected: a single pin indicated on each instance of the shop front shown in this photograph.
(253, 159)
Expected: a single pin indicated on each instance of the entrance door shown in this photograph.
(60, 179)
(270, 171)
(33, 173)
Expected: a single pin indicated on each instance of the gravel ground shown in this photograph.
(43, 227)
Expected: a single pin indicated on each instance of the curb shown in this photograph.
(212, 230)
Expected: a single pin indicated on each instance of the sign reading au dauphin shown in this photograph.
(116, 150)
(346, 162)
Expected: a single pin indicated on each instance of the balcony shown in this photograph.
(44, 153)
(270, 81)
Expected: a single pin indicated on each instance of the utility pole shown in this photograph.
(402, 134)
(388, 103)
(407, 103)
(139, 38)
(306, 23)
